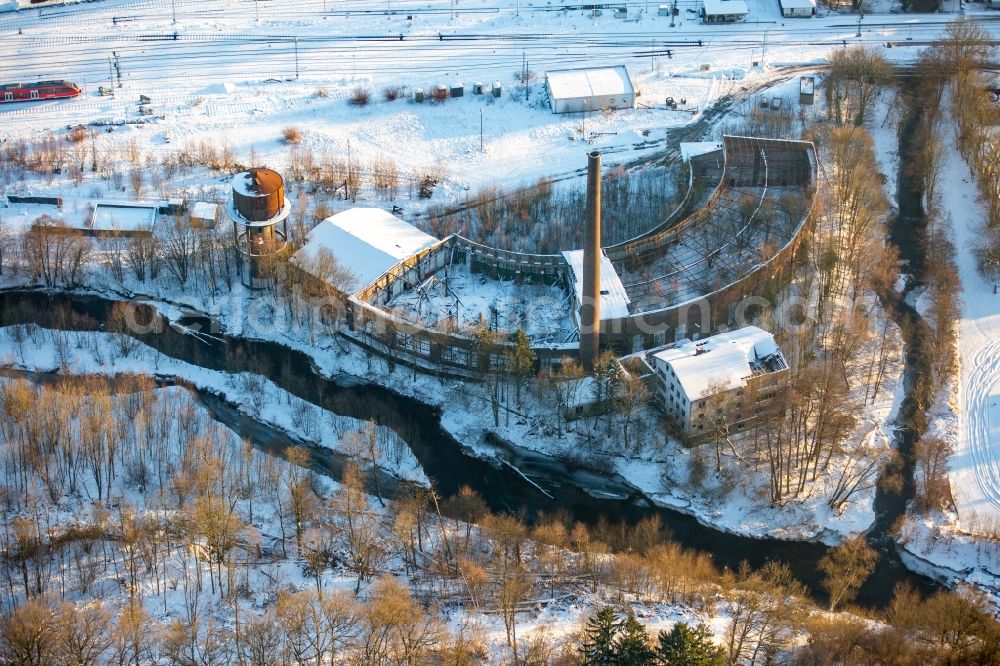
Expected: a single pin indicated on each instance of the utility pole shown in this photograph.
(860, 16)
(111, 76)
(256, 8)
(296, 58)
(173, 10)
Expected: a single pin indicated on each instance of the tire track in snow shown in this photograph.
(975, 407)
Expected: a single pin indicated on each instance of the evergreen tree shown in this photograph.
(599, 639)
(632, 645)
(522, 361)
(685, 646)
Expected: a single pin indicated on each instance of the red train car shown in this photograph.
(29, 92)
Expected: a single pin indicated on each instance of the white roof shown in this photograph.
(691, 149)
(725, 7)
(798, 4)
(202, 210)
(614, 300)
(122, 216)
(366, 241)
(718, 361)
(577, 83)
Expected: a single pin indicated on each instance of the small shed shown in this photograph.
(797, 8)
(589, 89)
(583, 398)
(723, 11)
(204, 214)
(807, 89)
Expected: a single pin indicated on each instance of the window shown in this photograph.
(455, 355)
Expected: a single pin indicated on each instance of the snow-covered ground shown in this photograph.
(237, 76)
(556, 614)
(975, 465)
(259, 398)
(961, 545)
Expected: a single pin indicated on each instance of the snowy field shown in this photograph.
(236, 74)
(975, 466)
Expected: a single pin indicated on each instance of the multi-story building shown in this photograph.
(726, 380)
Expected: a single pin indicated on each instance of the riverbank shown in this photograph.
(960, 545)
(503, 488)
(254, 396)
(658, 468)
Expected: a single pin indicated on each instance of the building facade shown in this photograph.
(723, 11)
(722, 381)
(593, 89)
(797, 8)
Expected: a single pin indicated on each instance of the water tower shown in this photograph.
(257, 208)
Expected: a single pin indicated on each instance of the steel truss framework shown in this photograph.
(756, 209)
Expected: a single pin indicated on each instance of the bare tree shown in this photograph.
(54, 253)
(846, 568)
(27, 634)
(178, 243)
(857, 76)
(633, 394)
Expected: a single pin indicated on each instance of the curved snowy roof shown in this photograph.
(597, 82)
(365, 241)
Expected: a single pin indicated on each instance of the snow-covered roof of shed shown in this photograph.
(614, 299)
(598, 81)
(721, 360)
(365, 241)
(725, 7)
(202, 210)
(798, 4)
(691, 149)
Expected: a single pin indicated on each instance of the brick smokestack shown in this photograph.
(590, 305)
